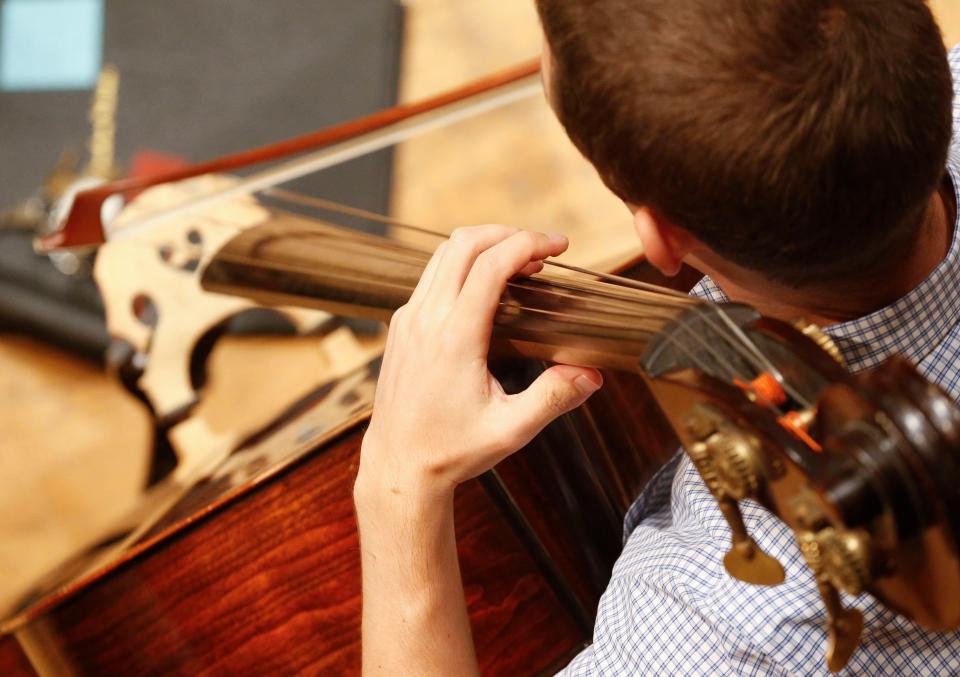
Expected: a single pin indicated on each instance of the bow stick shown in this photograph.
(84, 224)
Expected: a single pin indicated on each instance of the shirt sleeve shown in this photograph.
(642, 631)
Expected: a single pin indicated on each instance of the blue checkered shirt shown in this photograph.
(671, 608)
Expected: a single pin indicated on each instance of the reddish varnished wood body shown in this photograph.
(13, 662)
(270, 585)
(264, 577)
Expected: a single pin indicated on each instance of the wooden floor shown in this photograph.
(510, 166)
(73, 452)
(74, 445)
(948, 13)
(515, 166)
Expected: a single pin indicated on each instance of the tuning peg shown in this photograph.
(839, 560)
(735, 463)
(745, 560)
(844, 627)
(727, 465)
(821, 338)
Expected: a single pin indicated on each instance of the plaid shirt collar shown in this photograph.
(912, 326)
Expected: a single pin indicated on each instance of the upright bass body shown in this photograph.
(254, 567)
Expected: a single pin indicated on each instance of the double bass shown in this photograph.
(253, 565)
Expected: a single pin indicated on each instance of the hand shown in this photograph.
(440, 417)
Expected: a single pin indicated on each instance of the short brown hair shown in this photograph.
(799, 138)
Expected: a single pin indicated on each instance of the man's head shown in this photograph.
(801, 139)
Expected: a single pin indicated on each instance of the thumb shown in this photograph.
(556, 391)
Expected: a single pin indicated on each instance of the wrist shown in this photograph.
(404, 494)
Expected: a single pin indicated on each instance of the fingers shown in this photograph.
(531, 268)
(426, 278)
(556, 391)
(462, 250)
(486, 281)
(387, 365)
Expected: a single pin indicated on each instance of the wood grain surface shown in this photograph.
(948, 14)
(271, 586)
(13, 661)
(73, 456)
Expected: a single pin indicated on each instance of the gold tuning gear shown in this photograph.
(727, 460)
(821, 338)
(846, 559)
(735, 464)
(840, 560)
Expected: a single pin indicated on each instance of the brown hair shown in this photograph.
(799, 138)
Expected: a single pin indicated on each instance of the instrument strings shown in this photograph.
(573, 301)
(608, 302)
(336, 207)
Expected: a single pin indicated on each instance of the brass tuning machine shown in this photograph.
(732, 464)
(863, 468)
(727, 460)
(840, 560)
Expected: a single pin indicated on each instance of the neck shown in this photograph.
(826, 306)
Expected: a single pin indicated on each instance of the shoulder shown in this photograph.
(953, 57)
(670, 608)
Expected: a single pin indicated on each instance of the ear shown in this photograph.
(664, 244)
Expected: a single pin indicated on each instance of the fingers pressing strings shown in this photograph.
(577, 300)
(606, 302)
(460, 252)
(483, 288)
(613, 282)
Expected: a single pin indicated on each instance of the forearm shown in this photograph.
(414, 614)
(440, 418)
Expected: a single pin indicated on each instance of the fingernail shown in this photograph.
(557, 238)
(586, 384)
